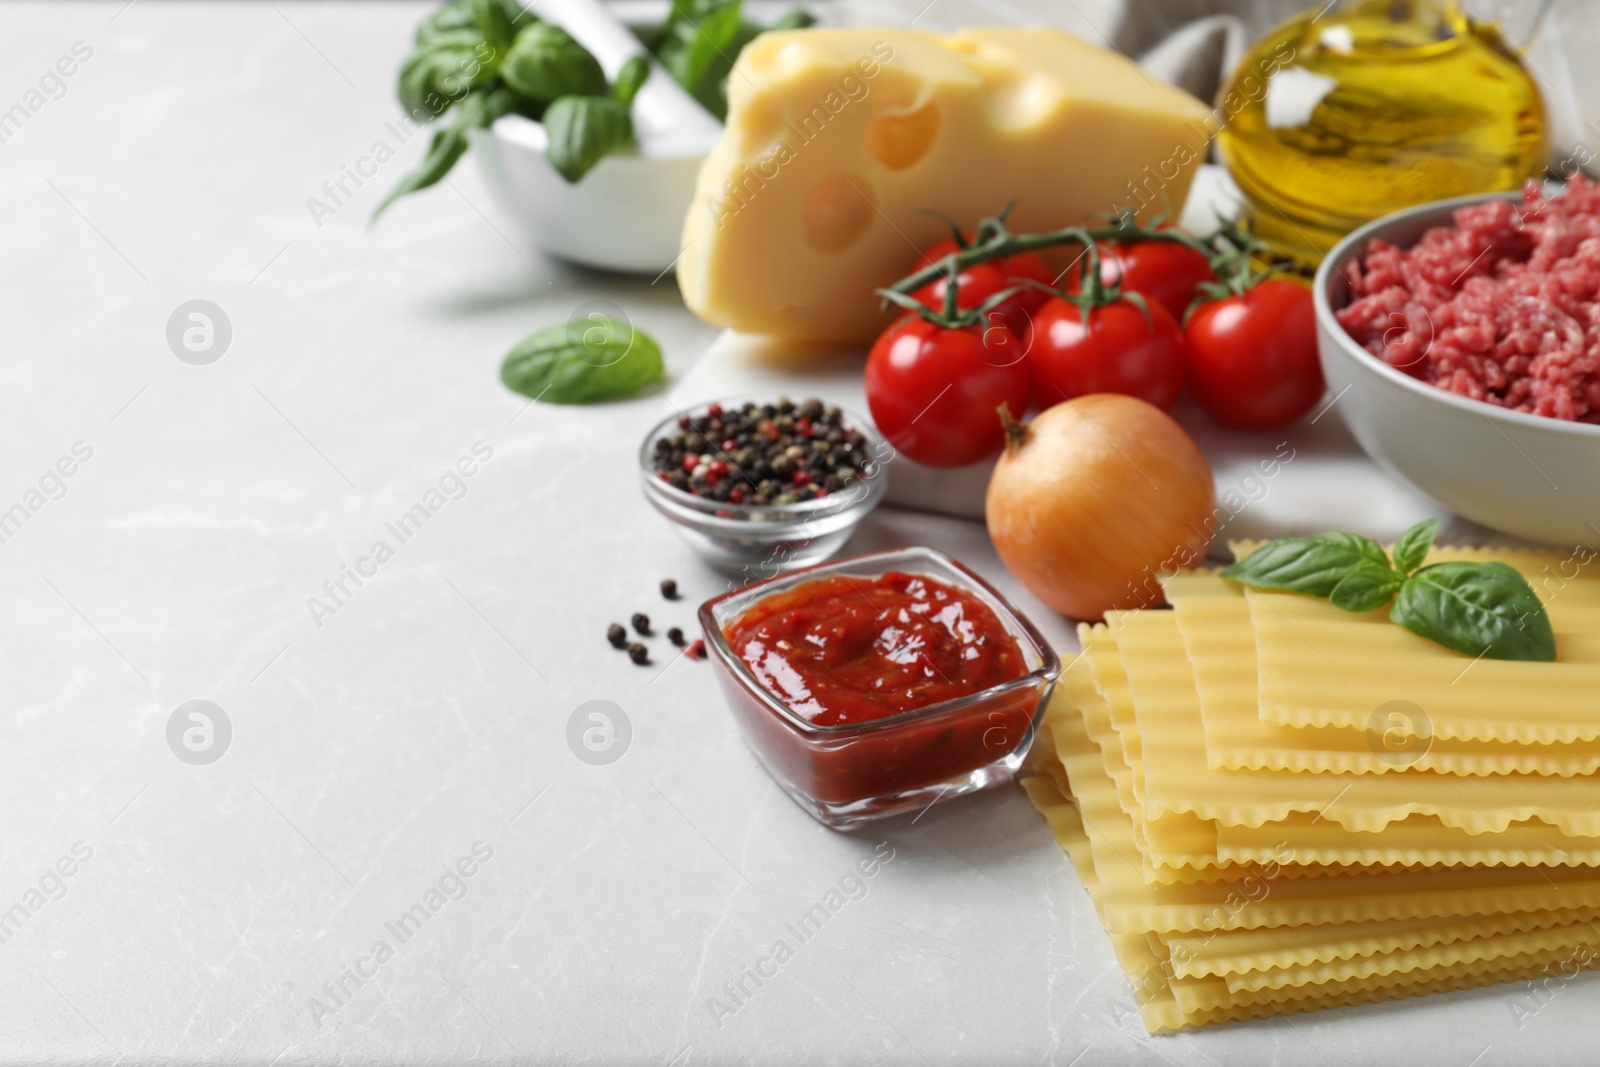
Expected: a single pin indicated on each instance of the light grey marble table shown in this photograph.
(405, 744)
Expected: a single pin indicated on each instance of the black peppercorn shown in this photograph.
(761, 455)
(641, 623)
(675, 635)
(669, 588)
(617, 635)
(638, 653)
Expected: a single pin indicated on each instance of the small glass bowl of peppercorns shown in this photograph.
(759, 486)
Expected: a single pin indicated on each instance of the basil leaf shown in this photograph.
(446, 19)
(515, 13)
(700, 40)
(416, 82)
(1478, 609)
(713, 91)
(546, 63)
(697, 35)
(450, 144)
(1366, 588)
(493, 21)
(583, 130)
(794, 19)
(1314, 565)
(630, 79)
(576, 363)
(433, 79)
(491, 106)
(459, 39)
(1412, 548)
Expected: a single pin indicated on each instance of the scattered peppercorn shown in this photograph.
(641, 623)
(669, 589)
(638, 653)
(675, 635)
(761, 455)
(617, 635)
(696, 649)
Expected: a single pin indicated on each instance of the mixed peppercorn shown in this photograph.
(617, 634)
(769, 455)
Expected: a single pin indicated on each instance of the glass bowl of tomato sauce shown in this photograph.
(879, 684)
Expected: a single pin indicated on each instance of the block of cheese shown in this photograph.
(837, 139)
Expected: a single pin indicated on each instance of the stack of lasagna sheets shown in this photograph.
(1278, 806)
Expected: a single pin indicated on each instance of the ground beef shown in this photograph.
(1504, 306)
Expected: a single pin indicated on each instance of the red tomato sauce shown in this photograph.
(851, 650)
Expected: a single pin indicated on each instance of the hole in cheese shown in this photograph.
(837, 211)
(898, 141)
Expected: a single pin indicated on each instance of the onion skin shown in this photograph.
(1097, 498)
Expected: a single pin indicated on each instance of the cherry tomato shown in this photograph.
(1164, 272)
(978, 283)
(1119, 350)
(1253, 359)
(1019, 310)
(933, 391)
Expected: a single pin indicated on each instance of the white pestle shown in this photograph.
(666, 119)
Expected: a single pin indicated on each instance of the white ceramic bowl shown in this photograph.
(625, 215)
(1534, 477)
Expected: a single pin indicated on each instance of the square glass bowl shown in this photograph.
(851, 773)
(752, 541)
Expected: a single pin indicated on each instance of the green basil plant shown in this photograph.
(474, 61)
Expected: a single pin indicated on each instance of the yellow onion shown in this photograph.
(1095, 500)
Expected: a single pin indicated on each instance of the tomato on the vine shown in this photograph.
(933, 389)
(1253, 358)
(979, 282)
(1115, 348)
(1165, 272)
(1247, 348)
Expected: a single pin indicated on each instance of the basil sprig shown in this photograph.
(1479, 609)
(579, 362)
(481, 59)
(450, 143)
(700, 40)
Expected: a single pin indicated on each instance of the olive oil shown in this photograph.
(1373, 106)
